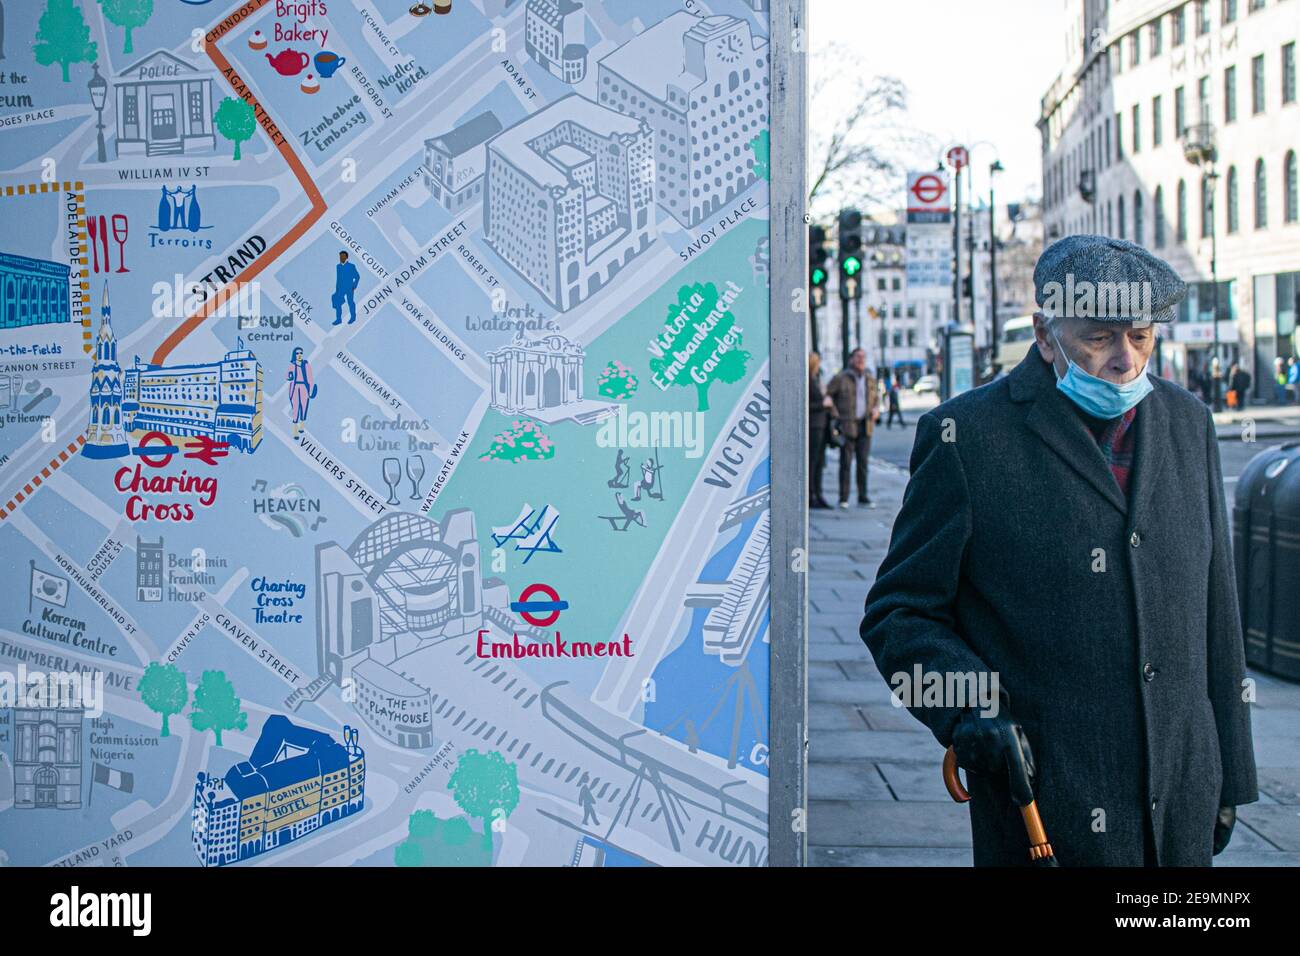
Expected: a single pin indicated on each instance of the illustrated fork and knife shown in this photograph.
(99, 232)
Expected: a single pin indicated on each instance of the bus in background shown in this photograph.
(1013, 345)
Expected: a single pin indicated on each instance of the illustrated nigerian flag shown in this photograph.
(116, 779)
(50, 588)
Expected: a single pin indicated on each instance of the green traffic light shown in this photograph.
(819, 277)
(852, 266)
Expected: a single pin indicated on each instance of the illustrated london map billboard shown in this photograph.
(384, 432)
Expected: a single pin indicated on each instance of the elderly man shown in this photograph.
(1064, 532)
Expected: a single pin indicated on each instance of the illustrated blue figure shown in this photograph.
(346, 279)
(301, 389)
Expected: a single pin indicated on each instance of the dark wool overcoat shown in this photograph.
(1112, 623)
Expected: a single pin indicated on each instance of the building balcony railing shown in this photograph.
(1198, 144)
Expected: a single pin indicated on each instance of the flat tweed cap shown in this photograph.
(1109, 280)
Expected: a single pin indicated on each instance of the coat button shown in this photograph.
(1148, 672)
(1153, 804)
(1135, 539)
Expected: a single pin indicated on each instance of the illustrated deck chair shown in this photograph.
(628, 515)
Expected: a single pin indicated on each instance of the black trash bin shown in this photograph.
(1266, 547)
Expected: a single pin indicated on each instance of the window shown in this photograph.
(1257, 84)
(1202, 17)
(1261, 195)
(1290, 199)
(1119, 213)
(1229, 11)
(1157, 36)
(1180, 223)
(129, 107)
(1157, 122)
(1134, 49)
(1203, 99)
(1180, 112)
(1179, 28)
(897, 284)
(1230, 95)
(1137, 128)
(1160, 217)
(1138, 230)
(1255, 5)
(1234, 207)
(1119, 136)
(1108, 152)
(1288, 73)
(1207, 207)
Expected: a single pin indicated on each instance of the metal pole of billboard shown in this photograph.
(787, 779)
(994, 168)
(956, 249)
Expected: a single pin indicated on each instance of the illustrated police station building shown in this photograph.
(294, 782)
(164, 108)
(32, 291)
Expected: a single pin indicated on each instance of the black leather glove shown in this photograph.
(1223, 824)
(996, 746)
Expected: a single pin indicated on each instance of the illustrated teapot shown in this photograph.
(289, 62)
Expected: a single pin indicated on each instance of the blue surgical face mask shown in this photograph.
(1098, 397)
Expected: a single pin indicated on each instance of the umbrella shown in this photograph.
(1022, 794)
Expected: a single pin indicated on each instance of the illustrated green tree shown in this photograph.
(435, 842)
(128, 14)
(235, 121)
(700, 343)
(216, 708)
(62, 37)
(484, 784)
(164, 691)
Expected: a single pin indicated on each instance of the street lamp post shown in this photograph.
(1199, 150)
(98, 94)
(994, 168)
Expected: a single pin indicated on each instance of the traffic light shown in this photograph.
(817, 256)
(850, 249)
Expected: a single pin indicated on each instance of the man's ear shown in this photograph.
(1043, 339)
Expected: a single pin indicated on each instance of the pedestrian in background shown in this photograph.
(819, 412)
(895, 409)
(1279, 381)
(1292, 381)
(1064, 538)
(1239, 380)
(854, 393)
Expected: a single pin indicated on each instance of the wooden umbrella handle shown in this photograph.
(951, 779)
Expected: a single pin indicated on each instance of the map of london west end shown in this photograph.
(384, 432)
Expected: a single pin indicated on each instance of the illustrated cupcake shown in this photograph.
(257, 41)
(310, 84)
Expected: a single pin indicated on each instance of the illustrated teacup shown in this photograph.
(327, 62)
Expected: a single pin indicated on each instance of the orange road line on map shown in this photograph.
(295, 233)
(20, 497)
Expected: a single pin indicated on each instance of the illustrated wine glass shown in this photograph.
(119, 236)
(392, 475)
(415, 471)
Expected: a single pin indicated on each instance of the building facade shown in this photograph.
(33, 292)
(47, 757)
(164, 108)
(702, 84)
(554, 31)
(294, 782)
(149, 574)
(220, 400)
(569, 197)
(454, 162)
(532, 376)
(105, 433)
(1176, 125)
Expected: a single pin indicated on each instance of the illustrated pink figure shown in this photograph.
(301, 389)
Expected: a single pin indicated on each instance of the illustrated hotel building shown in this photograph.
(294, 782)
(221, 400)
(1176, 125)
(702, 84)
(569, 197)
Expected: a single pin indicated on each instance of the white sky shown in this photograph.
(975, 70)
